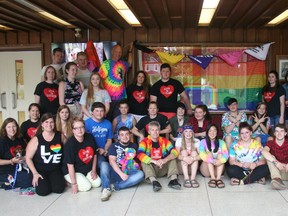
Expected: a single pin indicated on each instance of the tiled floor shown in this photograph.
(254, 199)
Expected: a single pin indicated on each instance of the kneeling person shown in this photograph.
(124, 170)
(158, 158)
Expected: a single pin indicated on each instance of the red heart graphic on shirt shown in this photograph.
(139, 96)
(12, 149)
(31, 132)
(167, 91)
(86, 154)
(51, 94)
(268, 96)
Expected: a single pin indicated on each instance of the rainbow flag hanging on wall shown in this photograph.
(214, 85)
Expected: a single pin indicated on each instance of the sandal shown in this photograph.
(187, 183)
(235, 181)
(194, 183)
(261, 181)
(212, 183)
(220, 183)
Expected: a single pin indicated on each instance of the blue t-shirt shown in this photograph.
(101, 131)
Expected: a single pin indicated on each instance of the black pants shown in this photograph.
(53, 181)
(259, 172)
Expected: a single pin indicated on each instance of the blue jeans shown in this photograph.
(103, 164)
(274, 121)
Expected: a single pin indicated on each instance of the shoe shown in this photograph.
(174, 184)
(106, 193)
(278, 184)
(156, 186)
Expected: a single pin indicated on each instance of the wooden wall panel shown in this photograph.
(105, 35)
(178, 35)
(238, 36)
(190, 35)
(262, 35)
(23, 37)
(250, 35)
(203, 35)
(46, 39)
(94, 35)
(34, 37)
(227, 35)
(3, 38)
(154, 36)
(69, 36)
(11, 38)
(141, 35)
(215, 35)
(165, 36)
(129, 36)
(284, 39)
(117, 35)
(57, 36)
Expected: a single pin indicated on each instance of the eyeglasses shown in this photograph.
(78, 128)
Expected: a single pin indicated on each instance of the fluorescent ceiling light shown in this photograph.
(121, 7)
(3, 27)
(54, 18)
(44, 13)
(207, 12)
(280, 18)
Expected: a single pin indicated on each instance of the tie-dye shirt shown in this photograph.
(113, 73)
(242, 155)
(209, 156)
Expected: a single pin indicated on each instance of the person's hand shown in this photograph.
(190, 112)
(17, 160)
(217, 162)
(238, 118)
(188, 159)
(281, 166)
(246, 165)
(124, 176)
(35, 179)
(141, 137)
(101, 151)
(252, 166)
(94, 175)
(74, 189)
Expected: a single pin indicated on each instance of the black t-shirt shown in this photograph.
(272, 100)
(143, 122)
(28, 129)
(7, 152)
(138, 104)
(48, 93)
(79, 154)
(48, 156)
(167, 94)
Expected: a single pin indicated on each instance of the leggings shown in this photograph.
(259, 172)
(53, 181)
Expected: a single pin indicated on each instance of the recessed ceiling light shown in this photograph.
(280, 18)
(207, 12)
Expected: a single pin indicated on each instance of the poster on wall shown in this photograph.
(19, 79)
(218, 82)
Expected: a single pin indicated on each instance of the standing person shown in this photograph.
(260, 123)
(138, 95)
(83, 74)
(276, 154)
(46, 92)
(10, 140)
(94, 93)
(247, 164)
(124, 119)
(158, 158)
(101, 130)
(44, 158)
(64, 122)
(166, 91)
(177, 122)
(80, 159)
(121, 178)
(29, 127)
(188, 148)
(285, 86)
(214, 153)
(230, 122)
(200, 121)
(57, 58)
(153, 115)
(274, 96)
(70, 90)
(113, 71)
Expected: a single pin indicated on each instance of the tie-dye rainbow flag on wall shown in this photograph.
(218, 82)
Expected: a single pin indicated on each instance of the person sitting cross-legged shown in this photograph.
(158, 158)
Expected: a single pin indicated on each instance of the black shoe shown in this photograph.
(156, 186)
(174, 184)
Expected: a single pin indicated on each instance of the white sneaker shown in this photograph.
(106, 193)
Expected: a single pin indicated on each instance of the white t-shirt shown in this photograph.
(83, 76)
(178, 143)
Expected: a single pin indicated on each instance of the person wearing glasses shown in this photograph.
(80, 159)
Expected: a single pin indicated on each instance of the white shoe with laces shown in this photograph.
(106, 194)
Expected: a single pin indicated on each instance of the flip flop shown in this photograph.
(212, 183)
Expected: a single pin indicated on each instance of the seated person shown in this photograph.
(230, 122)
(177, 122)
(124, 119)
(200, 121)
(158, 158)
(276, 154)
(123, 174)
(80, 159)
(247, 164)
(188, 148)
(153, 115)
(214, 153)
(260, 123)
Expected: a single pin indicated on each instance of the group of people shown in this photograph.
(103, 133)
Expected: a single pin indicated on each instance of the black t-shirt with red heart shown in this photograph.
(167, 94)
(79, 154)
(138, 104)
(48, 93)
(28, 129)
(272, 100)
